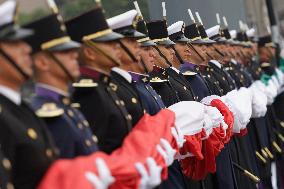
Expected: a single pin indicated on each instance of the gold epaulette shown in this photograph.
(189, 73)
(49, 110)
(158, 80)
(265, 64)
(85, 83)
(75, 105)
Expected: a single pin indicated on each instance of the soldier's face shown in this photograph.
(69, 59)
(183, 50)
(148, 57)
(93, 57)
(134, 47)
(19, 52)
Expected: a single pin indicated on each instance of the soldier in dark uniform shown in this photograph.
(130, 57)
(24, 137)
(164, 58)
(55, 67)
(95, 92)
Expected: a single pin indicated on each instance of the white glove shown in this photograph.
(153, 178)
(166, 151)
(104, 179)
(189, 116)
(280, 76)
(259, 101)
(240, 103)
(269, 94)
(178, 135)
(215, 115)
(275, 82)
(271, 91)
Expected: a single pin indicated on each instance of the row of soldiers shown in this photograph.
(100, 82)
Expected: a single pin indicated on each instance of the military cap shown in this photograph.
(91, 25)
(158, 32)
(265, 41)
(125, 24)
(9, 30)
(215, 33)
(191, 31)
(144, 42)
(176, 32)
(50, 34)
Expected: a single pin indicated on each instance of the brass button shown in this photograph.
(66, 101)
(122, 103)
(86, 123)
(223, 78)
(155, 98)
(32, 134)
(80, 125)
(134, 100)
(70, 113)
(49, 153)
(10, 185)
(88, 142)
(208, 76)
(117, 102)
(105, 79)
(129, 117)
(95, 138)
(184, 88)
(113, 86)
(6, 164)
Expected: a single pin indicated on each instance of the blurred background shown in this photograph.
(253, 12)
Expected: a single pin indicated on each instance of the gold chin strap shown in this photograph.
(94, 47)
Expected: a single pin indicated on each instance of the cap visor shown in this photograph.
(148, 44)
(108, 37)
(17, 33)
(166, 42)
(65, 46)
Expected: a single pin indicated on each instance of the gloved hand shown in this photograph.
(269, 94)
(271, 91)
(104, 179)
(178, 135)
(259, 101)
(166, 151)
(280, 76)
(153, 178)
(189, 122)
(240, 103)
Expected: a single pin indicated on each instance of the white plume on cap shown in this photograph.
(191, 15)
(164, 9)
(199, 18)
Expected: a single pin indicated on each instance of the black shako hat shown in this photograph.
(50, 34)
(158, 32)
(91, 25)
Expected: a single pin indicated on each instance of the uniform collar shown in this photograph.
(187, 66)
(216, 63)
(176, 70)
(11, 94)
(136, 77)
(122, 73)
(50, 91)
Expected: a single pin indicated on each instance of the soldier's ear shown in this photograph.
(89, 53)
(41, 62)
